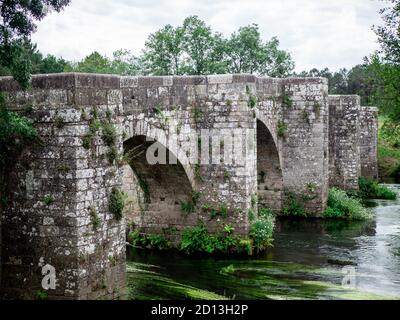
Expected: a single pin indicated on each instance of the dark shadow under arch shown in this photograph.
(160, 188)
(269, 173)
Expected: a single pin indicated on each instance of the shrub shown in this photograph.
(116, 203)
(198, 239)
(109, 134)
(370, 189)
(340, 205)
(262, 229)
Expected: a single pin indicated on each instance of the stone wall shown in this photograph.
(369, 142)
(57, 190)
(96, 133)
(344, 153)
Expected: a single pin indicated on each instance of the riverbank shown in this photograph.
(306, 262)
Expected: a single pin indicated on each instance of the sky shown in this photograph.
(317, 33)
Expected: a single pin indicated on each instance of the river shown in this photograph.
(310, 259)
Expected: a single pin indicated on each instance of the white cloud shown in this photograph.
(332, 33)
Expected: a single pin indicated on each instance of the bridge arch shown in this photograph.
(155, 191)
(269, 169)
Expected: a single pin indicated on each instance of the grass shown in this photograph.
(341, 206)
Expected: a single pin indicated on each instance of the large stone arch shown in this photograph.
(269, 170)
(155, 191)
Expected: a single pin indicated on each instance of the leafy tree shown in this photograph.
(93, 63)
(194, 48)
(16, 25)
(387, 67)
(203, 48)
(389, 33)
(163, 52)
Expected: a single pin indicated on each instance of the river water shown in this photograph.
(310, 259)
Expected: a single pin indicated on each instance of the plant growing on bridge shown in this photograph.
(94, 217)
(116, 203)
(286, 100)
(295, 205)
(48, 199)
(252, 102)
(281, 129)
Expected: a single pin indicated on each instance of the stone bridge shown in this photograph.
(260, 140)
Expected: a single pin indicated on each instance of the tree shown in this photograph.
(387, 66)
(17, 24)
(389, 33)
(163, 52)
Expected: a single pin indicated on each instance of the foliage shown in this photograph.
(340, 205)
(370, 189)
(116, 203)
(388, 149)
(187, 207)
(198, 239)
(41, 295)
(281, 129)
(215, 211)
(109, 133)
(17, 23)
(252, 103)
(149, 241)
(48, 199)
(295, 205)
(94, 217)
(261, 230)
(245, 52)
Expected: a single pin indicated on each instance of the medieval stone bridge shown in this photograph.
(96, 131)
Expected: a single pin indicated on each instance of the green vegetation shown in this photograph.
(116, 203)
(262, 229)
(281, 129)
(370, 189)
(148, 241)
(41, 295)
(388, 149)
(215, 211)
(252, 103)
(340, 205)
(295, 205)
(48, 199)
(94, 217)
(287, 100)
(188, 207)
(109, 133)
(198, 239)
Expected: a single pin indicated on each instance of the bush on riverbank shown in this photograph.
(262, 229)
(199, 240)
(341, 206)
(370, 189)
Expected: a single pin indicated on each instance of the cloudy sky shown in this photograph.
(318, 33)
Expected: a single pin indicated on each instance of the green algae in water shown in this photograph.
(146, 284)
